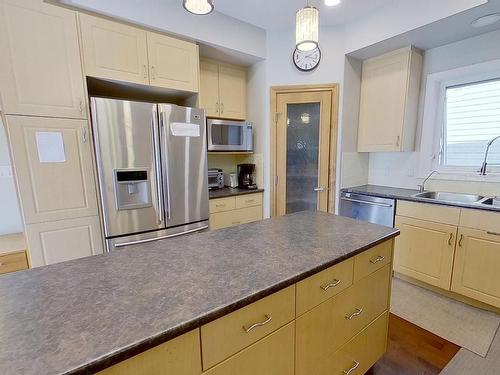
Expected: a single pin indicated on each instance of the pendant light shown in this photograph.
(307, 28)
(199, 7)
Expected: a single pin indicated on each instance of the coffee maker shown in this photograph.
(246, 176)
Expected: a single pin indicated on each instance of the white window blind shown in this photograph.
(472, 118)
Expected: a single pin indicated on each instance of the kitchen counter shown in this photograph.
(407, 195)
(84, 315)
(230, 192)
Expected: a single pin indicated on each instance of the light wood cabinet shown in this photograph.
(231, 333)
(178, 356)
(223, 90)
(477, 263)
(63, 188)
(113, 50)
(372, 260)
(41, 71)
(59, 241)
(231, 211)
(272, 355)
(425, 251)
(173, 63)
(390, 87)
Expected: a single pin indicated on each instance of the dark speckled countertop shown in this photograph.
(230, 192)
(81, 316)
(408, 195)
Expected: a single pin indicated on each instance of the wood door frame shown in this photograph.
(333, 88)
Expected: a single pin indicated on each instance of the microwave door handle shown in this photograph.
(157, 165)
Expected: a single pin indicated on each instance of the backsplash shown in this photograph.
(228, 163)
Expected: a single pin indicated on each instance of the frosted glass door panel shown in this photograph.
(303, 125)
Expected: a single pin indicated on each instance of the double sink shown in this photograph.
(459, 198)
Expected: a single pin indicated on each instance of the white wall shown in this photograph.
(10, 218)
(408, 169)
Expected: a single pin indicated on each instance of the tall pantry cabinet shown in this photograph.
(44, 108)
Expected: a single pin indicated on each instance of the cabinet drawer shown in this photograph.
(325, 328)
(178, 356)
(235, 217)
(360, 353)
(325, 284)
(222, 204)
(249, 200)
(13, 262)
(231, 333)
(429, 212)
(482, 220)
(372, 260)
(272, 355)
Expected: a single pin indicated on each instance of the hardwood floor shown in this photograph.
(413, 351)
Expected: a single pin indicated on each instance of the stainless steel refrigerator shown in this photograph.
(152, 170)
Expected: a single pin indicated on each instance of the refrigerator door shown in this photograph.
(184, 158)
(128, 163)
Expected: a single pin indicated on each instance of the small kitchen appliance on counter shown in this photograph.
(231, 180)
(215, 178)
(246, 176)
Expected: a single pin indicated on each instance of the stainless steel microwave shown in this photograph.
(226, 135)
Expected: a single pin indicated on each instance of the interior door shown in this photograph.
(303, 151)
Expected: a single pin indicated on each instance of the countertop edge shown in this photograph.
(225, 193)
(140, 347)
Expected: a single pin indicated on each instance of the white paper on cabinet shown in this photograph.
(50, 147)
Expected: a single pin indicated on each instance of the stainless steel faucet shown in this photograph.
(421, 188)
(482, 171)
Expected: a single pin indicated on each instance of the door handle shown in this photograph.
(320, 189)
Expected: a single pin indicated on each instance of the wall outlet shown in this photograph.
(5, 171)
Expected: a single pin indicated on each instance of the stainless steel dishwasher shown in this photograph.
(368, 208)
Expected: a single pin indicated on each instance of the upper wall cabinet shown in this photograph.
(40, 63)
(173, 63)
(390, 87)
(112, 50)
(223, 90)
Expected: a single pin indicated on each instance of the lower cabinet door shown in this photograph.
(477, 264)
(359, 354)
(273, 355)
(235, 217)
(425, 250)
(178, 356)
(59, 241)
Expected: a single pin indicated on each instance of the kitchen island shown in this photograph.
(83, 316)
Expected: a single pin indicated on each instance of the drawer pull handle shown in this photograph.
(356, 313)
(494, 233)
(260, 324)
(353, 368)
(250, 201)
(331, 285)
(380, 258)
(220, 205)
(236, 222)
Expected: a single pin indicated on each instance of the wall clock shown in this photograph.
(307, 61)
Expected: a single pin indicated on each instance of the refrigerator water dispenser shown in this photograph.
(132, 189)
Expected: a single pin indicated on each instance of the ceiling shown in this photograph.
(276, 14)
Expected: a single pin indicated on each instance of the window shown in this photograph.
(471, 120)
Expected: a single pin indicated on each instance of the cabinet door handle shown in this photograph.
(379, 258)
(398, 141)
(84, 134)
(260, 324)
(461, 240)
(217, 107)
(450, 239)
(153, 72)
(493, 233)
(355, 365)
(331, 285)
(357, 312)
(221, 108)
(145, 71)
(80, 106)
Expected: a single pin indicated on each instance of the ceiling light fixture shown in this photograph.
(332, 3)
(199, 7)
(487, 20)
(307, 28)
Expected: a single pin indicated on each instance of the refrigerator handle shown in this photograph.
(165, 155)
(157, 162)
